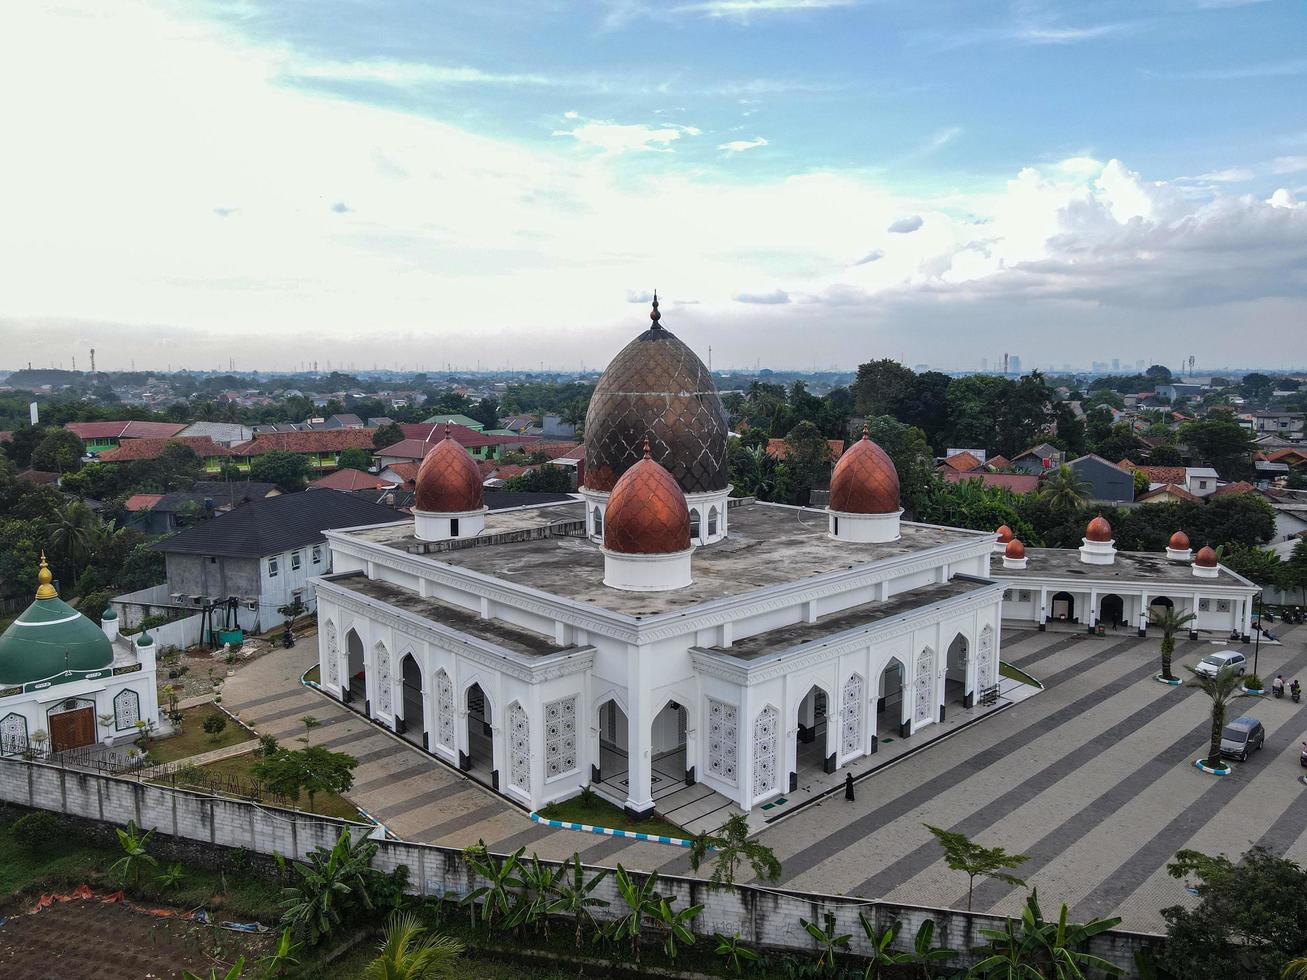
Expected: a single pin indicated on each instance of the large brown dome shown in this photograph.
(647, 513)
(865, 481)
(656, 388)
(448, 482)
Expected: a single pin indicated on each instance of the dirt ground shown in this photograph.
(89, 940)
(195, 682)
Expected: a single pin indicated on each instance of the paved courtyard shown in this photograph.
(1092, 779)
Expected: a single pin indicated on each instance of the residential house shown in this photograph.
(959, 462)
(321, 447)
(999, 462)
(1108, 483)
(349, 479)
(158, 513)
(553, 427)
(1286, 424)
(481, 445)
(212, 454)
(1201, 481)
(1177, 390)
(262, 555)
(977, 454)
(1227, 489)
(1018, 483)
(465, 421)
(224, 433)
(1168, 493)
(1038, 459)
(1294, 458)
(98, 436)
(347, 420)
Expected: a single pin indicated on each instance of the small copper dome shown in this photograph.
(864, 481)
(1206, 557)
(1004, 534)
(1099, 529)
(1179, 541)
(448, 482)
(647, 513)
(1014, 549)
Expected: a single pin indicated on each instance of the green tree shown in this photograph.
(807, 461)
(215, 723)
(177, 467)
(285, 956)
(1223, 443)
(1170, 621)
(387, 435)
(59, 452)
(408, 954)
(332, 883)
(542, 479)
(312, 770)
(731, 846)
(882, 387)
(1158, 374)
(753, 471)
(72, 535)
(289, 471)
(1165, 456)
(1260, 565)
(907, 448)
(354, 458)
(1222, 689)
(1250, 919)
(1063, 489)
(963, 854)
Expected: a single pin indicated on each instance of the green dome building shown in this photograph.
(59, 675)
(50, 638)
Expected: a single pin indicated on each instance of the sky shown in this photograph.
(807, 183)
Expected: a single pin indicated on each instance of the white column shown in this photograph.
(1092, 618)
(1143, 613)
(1042, 616)
(639, 737)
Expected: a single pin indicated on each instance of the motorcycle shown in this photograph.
(1295, 692)
(1302, 759)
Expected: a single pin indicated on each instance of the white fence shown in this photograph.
(761, 916)
(135, 606)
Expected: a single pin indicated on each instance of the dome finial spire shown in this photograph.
(45, 589)
(654, 315)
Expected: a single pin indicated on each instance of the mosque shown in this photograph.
(66, 683)
(660, 634)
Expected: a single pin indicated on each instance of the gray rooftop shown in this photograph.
(1130, 566)
(867, 615)
(494, 631)
(768, 545)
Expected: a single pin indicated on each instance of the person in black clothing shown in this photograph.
(848, 786)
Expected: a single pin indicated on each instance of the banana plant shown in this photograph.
(641, 900)
(539, 882)
(283, 957)
(574, 895)
(135, 853)
(1033, 947)
(829, 943)
(735, 953)
(676, 924)
(501, 884)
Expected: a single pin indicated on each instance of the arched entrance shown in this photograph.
(479, 759)
(667, 739)
(1161, 602)
(1063, 607)
(414, 720)
(355, 686)
(1111, 611)
(955, 675)
(889, 704)
(613, 740)
(810, 753)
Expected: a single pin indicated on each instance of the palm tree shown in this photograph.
(1063, 489)
(407, 954)
(1222, 688)
(71, 532)
(1170, 622)
(731, 845)
(1295, 969)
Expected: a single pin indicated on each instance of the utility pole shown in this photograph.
(92, 360)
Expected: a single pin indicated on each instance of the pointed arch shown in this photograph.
(381, 657)
(766, 745)
(445, 736)
(13, 733)
(985, 661)
(126, 710)
(333, 654)
(852, 711)
(924, 696)
(712, 521)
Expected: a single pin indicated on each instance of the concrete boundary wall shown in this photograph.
(762, 916)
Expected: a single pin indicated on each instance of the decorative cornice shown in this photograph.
(532, 670)
(815, 652)
(1233, 590)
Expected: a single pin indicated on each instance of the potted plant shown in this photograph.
(106, 720)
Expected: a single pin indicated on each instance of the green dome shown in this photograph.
(49, 638)
(144, 640)
(108, 614)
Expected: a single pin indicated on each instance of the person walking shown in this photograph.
(848, 786)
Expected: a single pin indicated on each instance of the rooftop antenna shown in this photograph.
(92, 360)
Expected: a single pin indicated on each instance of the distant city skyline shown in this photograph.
(804, 182)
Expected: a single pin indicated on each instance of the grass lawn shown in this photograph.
(600, 813)
(327, 804)
(1012, 673)
(314, 674)
(194, 739)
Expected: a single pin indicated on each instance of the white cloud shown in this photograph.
(875, 255)
(410, 74)
(1289, 165)
(1230, 175)
(740, 146)
(906, 226)
(613, 137)
(774, 297)
(746, 8)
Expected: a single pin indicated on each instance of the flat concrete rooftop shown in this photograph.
(1130, 566)
(768, 545)
(494, 631)
(866, 615)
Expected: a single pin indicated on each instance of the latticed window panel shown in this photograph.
(444, 709)
(383, 677)
(925, 696)
(519, 748)
(560, 737)
(13, 733)
(723, 739)
(126, 710)
(851, 716)
(766, 741)
(985, 659)
(333, 654)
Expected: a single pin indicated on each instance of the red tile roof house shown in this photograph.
(349, 479)
(479, 444)
(777, 448)
(962, 462)
(212, 454)
(98, 436)
(1018, 483)
(322, 446)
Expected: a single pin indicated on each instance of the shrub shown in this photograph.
(268, 745)
(38, 831)
(215, 724)
(1252, 682)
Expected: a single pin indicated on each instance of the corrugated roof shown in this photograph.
(133, 449)
(275, 524)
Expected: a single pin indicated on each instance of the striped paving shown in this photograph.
(1092, 779)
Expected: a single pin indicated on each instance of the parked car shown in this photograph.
(1242, 736)
(1214, 663)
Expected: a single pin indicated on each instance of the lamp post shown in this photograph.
(1257, 641)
